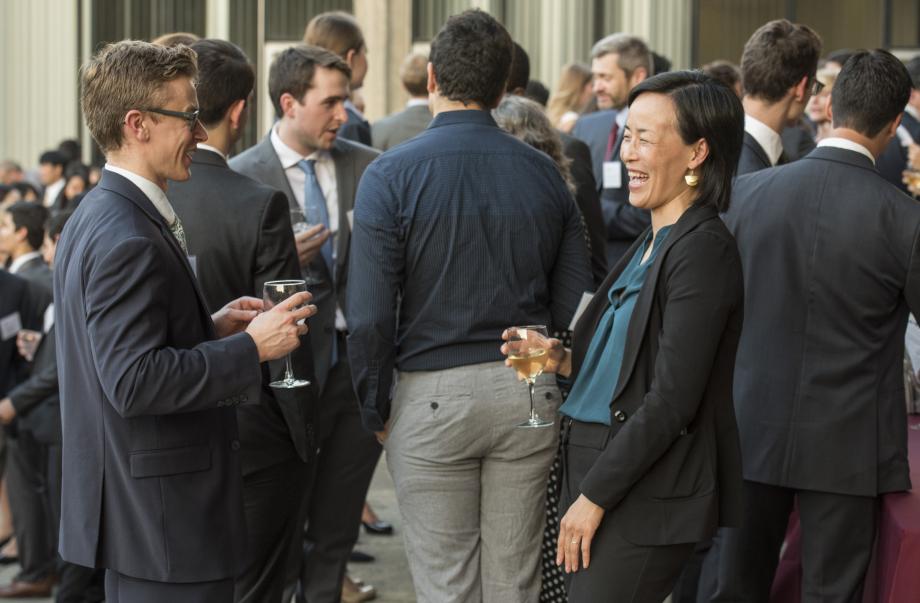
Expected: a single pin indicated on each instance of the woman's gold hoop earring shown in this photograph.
(691, 179)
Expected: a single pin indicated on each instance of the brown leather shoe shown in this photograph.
(357, 592)
(17, 589)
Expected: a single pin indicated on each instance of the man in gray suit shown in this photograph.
(304, 157)
(618, 63)
(149, 379)
(394, 129)
(830, 256)
(239, 234)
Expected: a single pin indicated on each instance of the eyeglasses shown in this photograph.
(816, 86)
(190, 117)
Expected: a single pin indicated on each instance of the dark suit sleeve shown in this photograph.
(42, 383)
(128, 308)
(276, 256)
(702, 281)
(571, 275)
(912, 287)
(358, 131)
(588, 201)
(624, 222)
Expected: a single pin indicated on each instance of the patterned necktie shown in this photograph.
(177, 231)
(314, 207)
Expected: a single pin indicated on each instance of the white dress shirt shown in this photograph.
(849, 145)
(417, 102)
(153, 192)
(766, 137)
(325, 175)
(52, 191)
(25, 258)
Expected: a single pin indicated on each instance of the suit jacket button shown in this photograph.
(620, 416)
(549, 396)
(234, 445)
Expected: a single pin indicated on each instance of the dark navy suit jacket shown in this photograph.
(151, 470)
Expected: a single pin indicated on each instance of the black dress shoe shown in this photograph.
(359, 557)
(381, 528)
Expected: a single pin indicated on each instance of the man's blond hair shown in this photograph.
(124, 76)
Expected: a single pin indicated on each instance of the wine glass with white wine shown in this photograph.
(528, 355)
(273, 293)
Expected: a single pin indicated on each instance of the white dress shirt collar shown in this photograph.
(22, 260)
(52, 191)
(207, 147)
(912, 111)
(289, 157)
(621, 118)
(766, 137)
(151, 190)
(417, 102)
(849, 145)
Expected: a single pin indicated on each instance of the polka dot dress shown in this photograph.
(553, 588)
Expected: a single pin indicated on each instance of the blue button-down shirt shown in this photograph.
(459, 233)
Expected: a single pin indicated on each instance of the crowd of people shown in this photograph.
(704, 276)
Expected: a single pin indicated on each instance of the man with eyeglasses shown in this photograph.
(778, 69)
(149, 379)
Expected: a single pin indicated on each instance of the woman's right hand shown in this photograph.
(559, 358)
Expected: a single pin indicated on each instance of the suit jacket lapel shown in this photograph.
(273, 171)
(345, 187)
(635, 332)
(752, 143)
(122, 186)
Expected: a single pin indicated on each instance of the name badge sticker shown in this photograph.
(613, 174)
(9, 326)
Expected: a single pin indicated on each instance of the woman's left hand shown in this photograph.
(576, 530)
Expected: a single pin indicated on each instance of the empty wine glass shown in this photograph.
(528, 355)
(273, 293)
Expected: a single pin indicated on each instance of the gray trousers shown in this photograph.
(470, 485)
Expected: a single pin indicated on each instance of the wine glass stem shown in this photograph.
(288, 371)
(533, 414)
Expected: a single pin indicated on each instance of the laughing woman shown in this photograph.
(651, 454)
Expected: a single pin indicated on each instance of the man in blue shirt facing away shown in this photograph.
(458, 234)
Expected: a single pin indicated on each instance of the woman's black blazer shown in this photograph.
(671, 471)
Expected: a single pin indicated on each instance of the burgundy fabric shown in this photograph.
(892, 575)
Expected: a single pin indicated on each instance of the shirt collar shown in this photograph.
(463, 116)
(288, 156)
(22, 260)
(151, 190)
(912, 111)
(207, 147)
(621, 117)
(849, 145)
(417, 102)
(766, 137)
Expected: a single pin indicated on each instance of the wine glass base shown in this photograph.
(535, 423)
(289, 383)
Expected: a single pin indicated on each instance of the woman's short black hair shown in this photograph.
(705, 109)
(471, 57)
